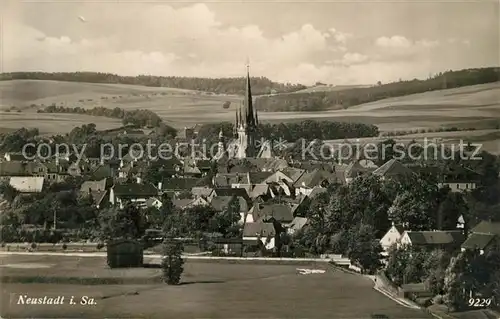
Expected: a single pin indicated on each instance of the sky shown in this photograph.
(334, 42)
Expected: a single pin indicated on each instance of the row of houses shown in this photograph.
(481, 238)
(269, 190)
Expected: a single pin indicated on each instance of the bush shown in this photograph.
(172, 263)
(438, 300)
(33, 245)
(64, 246)
(100, 246)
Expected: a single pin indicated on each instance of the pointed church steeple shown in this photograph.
(240, 117)
(250, 119)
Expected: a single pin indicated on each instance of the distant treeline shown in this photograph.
(139, 118)
(260, 85)
(291, 132)
(319, 101)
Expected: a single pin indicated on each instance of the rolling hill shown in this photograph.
(475, 106)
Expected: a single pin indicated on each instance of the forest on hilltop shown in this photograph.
(260, 85)
(343, 99)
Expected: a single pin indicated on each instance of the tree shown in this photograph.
(126, 223)
(8, 192)
(396, 264)
(364, 248)
(172, 263)
(224, 222)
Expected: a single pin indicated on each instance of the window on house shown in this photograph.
(466, 186)
(458, 186)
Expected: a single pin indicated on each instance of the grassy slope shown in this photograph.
(211, 290)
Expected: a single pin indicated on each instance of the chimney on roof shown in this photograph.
(160, 184)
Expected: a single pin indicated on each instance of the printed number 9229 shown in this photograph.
(479, 302)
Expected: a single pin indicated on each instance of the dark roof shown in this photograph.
(182, 203)
(268, 164)
(436, 237)
(293, 173)
(314, 178)
(227, 191)
(459, 174)
(258, 177)
(16, 156)
(487, 227)
(102, 171)
(227, 179)
(99, 196)
(392, 168)
(13, 168)
(313, 165)
(177, 183)
(93, 185)
(204, 164)
(220, 203)
(135, 190)
(258, 228)
(478, 241)
(280, 212)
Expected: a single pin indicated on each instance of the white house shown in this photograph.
(392, 236)
(265, 231)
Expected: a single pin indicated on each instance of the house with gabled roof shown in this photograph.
(177, 185)
(309, 180)
(261, 212)
(483, 237)
(459, 179)
(134, 193)
(229, 179)
(96, 185)
(392, 169)
(265, 232)
(103, 171)
(14, 168)
(392, 236)
(221, 203)
(226, 191)
(444, 239)
(189, 202)
(14, 157)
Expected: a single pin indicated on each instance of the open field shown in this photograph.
(179, 108)
(208, 291)
(53, 123)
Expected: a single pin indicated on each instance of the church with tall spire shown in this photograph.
(246, 125)
(244, 144)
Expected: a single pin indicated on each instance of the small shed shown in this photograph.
(125, 253)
